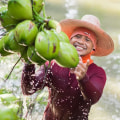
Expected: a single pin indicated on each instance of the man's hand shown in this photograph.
(80, 70)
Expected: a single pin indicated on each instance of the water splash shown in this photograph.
(71, 8)
(119, 39)
(25, 106)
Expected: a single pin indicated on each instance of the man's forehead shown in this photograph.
(85, 34)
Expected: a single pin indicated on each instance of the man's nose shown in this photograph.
(82, 40)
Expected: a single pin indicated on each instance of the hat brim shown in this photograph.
(104, 44)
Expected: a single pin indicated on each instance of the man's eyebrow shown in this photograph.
(87, 37)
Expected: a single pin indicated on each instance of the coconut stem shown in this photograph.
(37, 16)
(43, 8)
(42, 27)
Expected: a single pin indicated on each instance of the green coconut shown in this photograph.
(2, 50)
(11, 44)
(53, 24)
(68, 56)
(20, 9)
(38, 5)
(33, 57)
(61, 36)
(47, 44)
(25, 33)
(6, 21)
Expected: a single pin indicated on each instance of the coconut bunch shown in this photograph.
(36, 37)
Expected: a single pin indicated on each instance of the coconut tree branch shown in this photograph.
(12, 69)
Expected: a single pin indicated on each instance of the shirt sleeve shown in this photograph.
(31, 81)
(93, 84)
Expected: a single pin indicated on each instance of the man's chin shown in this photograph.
(81, 54)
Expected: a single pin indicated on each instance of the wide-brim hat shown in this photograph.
(104, 43)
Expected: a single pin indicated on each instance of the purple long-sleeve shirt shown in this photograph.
(66, 101)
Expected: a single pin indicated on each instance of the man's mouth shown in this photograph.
(79, 48)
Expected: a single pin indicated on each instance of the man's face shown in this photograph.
(82, 43)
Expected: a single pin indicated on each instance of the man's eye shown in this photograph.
(78, 36)
(87, 39)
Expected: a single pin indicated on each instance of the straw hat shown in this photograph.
(104, 43)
